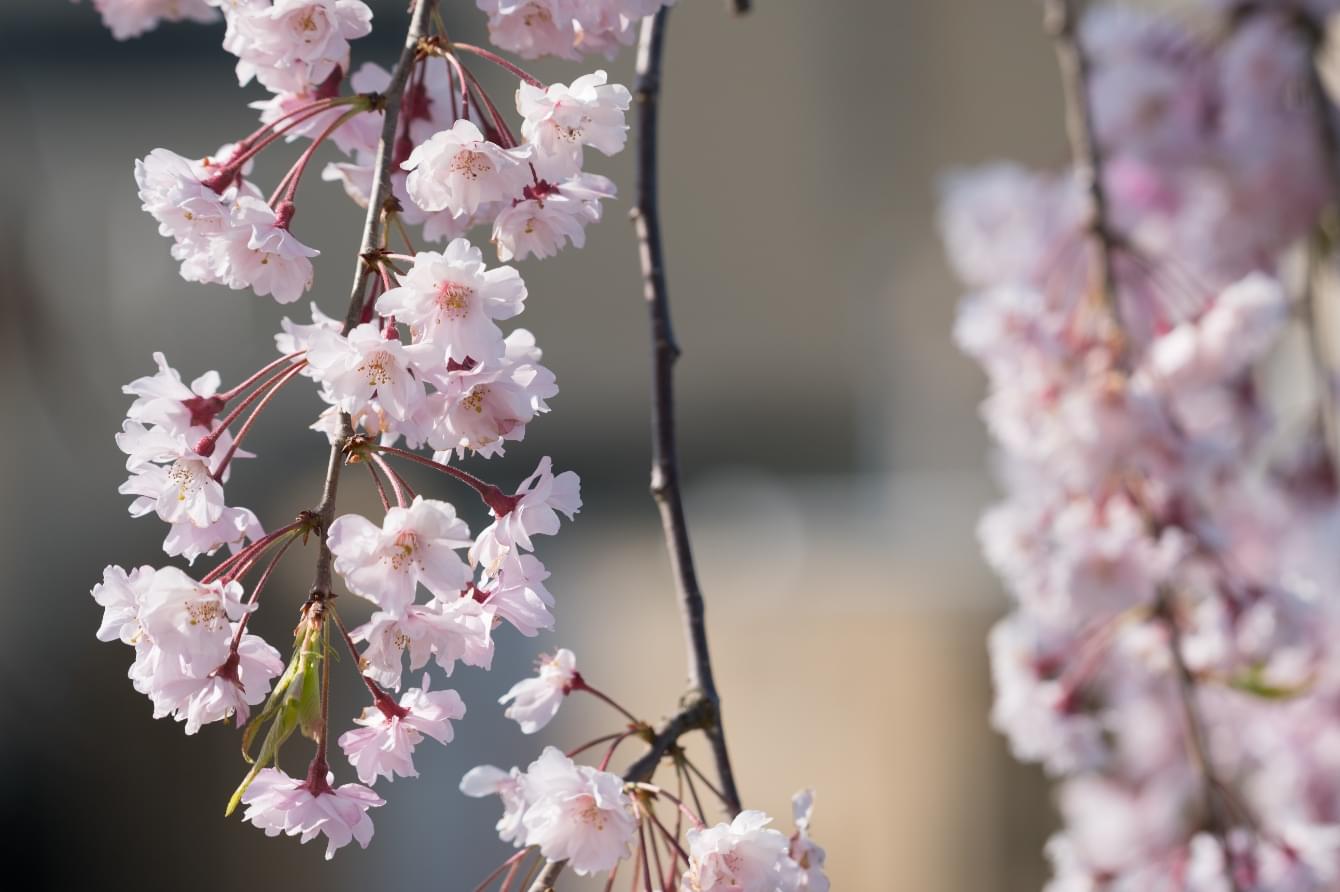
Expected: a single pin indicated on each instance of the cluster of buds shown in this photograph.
(1168, 535)
(417, 372)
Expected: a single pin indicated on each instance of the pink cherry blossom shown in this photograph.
(458, 169)
(131, 18)
(540, 498)
(487, 780)
(384, 746)
(257, 251)
(541, 226)
(365, 364)
(743, 856)
(535, 701)
(415, 545)
(277, 803)
(447, 631)
(451, 300)
(577, 813)
(560, 119)
(292, 45)
(516, 593)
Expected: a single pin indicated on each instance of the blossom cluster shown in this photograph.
(591, 818)
(417, 371)
(1167, 536)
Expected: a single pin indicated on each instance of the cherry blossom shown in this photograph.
(355, 368)
(488, 780)
(807, 854)
(131, 18)
(535, 701)
(291, 45)
(576, 813)
(448, 631)
(415, 545)
(743, 856)
(560, 119)
(516, 593)
(277, 803)
(539, 499)
(452, 300)
(257, 251)
(458, 170)
(384, 746)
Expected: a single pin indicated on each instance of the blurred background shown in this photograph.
(833, 459)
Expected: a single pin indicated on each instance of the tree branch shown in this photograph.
(372, 233)
(1060, 22)
(700, 707)
(665, 455)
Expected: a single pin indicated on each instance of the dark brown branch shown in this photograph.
(665, 455)
(372, 233)
(1061, 23)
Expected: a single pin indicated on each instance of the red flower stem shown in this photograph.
(579, 684)
(248, 551)
(492, 495)
(515, 859)
(702, 777)
(284, 377)
(318, 105)
(295, 173)
(404, 234)
(501, 62)
(679, 803)
(655, 849)
(604, 738)
(396, 485)
(646, 860)
(614, 873)
(237, 410)
(381, 490)
(609, 754)
(260, 586)
(693, 792)
(234, 164)
(673, 846)
(503, 130)
(232, 392)
(404, 258)
(455, 65)
(379, 696)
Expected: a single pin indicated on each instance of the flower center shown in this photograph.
(186, 475)
(453, 300)
(474, 400)
(377, 368)
(203, 612)
(403, 550)
(471, 165)
(590, 813)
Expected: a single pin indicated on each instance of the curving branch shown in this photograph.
(373, 225)
(700, 707)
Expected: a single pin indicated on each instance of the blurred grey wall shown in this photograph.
(834, 459)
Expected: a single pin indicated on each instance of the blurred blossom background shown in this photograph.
(834, 462)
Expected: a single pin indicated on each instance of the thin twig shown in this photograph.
(1060, 21)
(665, 455)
